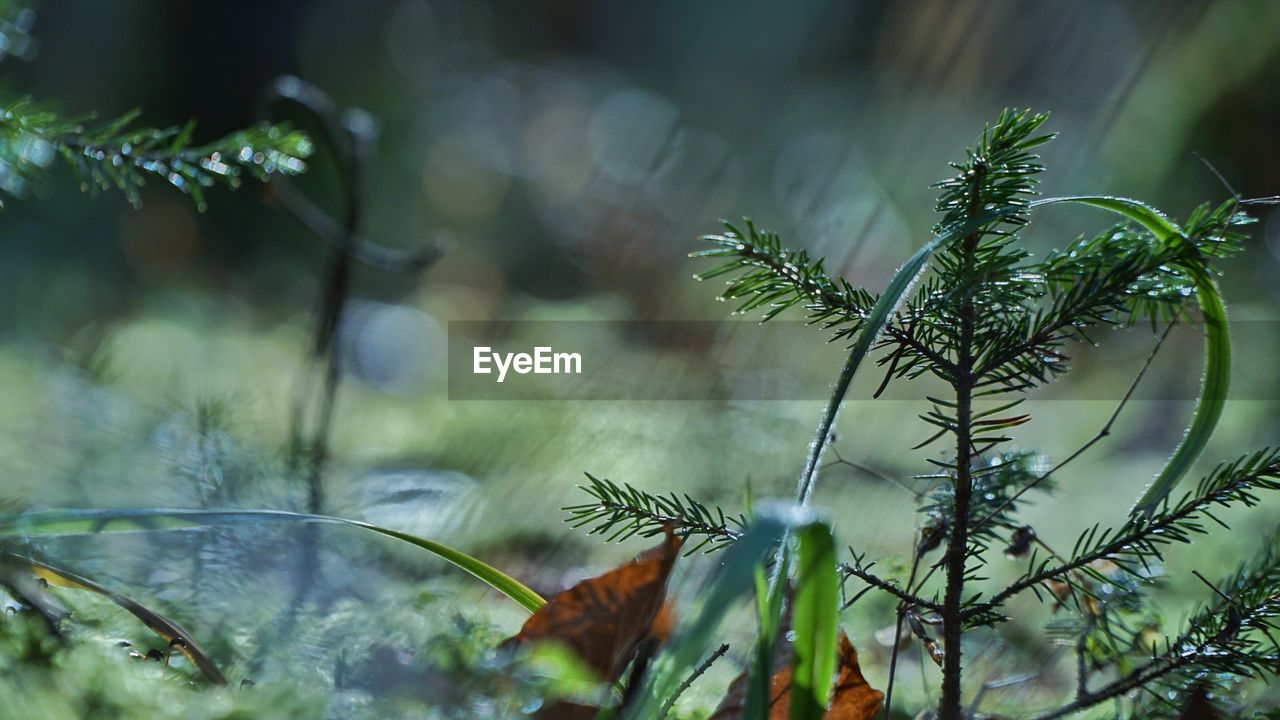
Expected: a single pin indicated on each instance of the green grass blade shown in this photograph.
(1156, 222)
(769, 605)
(1217, 349)
(497, 579)
(732, 580)
(813, 622)
(881, 313)
(1209, 406)
(47, 523)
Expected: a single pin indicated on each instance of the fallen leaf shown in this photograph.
(852, 699)
(605, 620)
(663, 624)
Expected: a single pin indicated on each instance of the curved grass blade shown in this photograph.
(168, 630)
(47, 523)
(733, 579)
(1156, 222)
(886, 305)
(769, 607)
(1217, 348)
(813, 621)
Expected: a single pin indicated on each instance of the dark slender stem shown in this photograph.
(1082, 671)
(957, 545)
(363, 251)
(949, 706)
(897, 641)
(688, 682)
(639, 666)
(324, 354)
(963, 378)
(871, 472)
(309, 445)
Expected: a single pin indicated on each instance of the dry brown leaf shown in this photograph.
(664, 623)
(852, 699)
(606, 619)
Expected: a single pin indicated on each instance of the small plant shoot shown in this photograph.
(239, 485)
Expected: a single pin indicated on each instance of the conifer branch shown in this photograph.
(1114, 278)
(623, 511)
(990, 320)
(1218, 639)
(1139, 539)
(776, 278)
(117, 155)
(858, 570)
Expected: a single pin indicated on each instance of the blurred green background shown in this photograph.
(567, 155)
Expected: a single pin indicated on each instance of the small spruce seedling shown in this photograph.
(977, 311)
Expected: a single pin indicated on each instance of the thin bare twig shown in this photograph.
(917, 494)
(1269, 200)
(1221, 178)
(996, 685)
(1098, 437)
(693, 677)
(1082, 670)
(897, 634)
